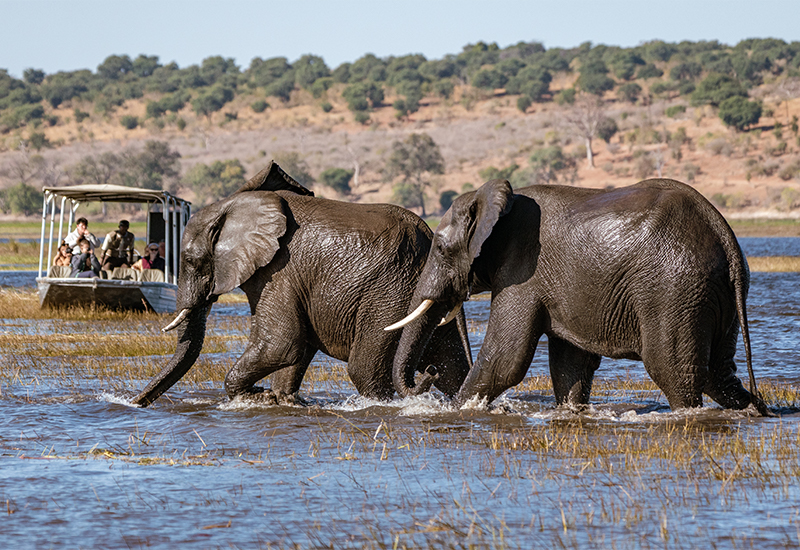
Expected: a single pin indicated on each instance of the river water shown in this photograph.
(80, 467)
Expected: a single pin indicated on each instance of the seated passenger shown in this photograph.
(85, 265)
(81, 230)
(118, 247)
(64, 255)
(151, 259)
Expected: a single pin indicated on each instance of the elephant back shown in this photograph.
(273, 178)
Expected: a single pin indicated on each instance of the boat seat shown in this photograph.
(124, 274)
(59, 271)
(152, 276)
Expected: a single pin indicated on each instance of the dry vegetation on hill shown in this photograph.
(751, 173)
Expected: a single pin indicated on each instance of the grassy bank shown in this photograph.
(763, 227)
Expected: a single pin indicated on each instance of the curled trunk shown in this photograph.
(191, 333)
(410, 351)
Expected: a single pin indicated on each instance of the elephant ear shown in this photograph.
(491, 201)
(273, 178)
(248, 239)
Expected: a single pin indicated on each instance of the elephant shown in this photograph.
(318, 275)
(649, 272)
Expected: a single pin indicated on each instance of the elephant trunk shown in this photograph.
(191, 333)
(410, 350)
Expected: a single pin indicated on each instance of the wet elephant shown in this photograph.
(650, 272)
(318, 275)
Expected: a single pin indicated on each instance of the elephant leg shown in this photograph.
(285, 383)
(370, 365)
(506, 354)
(677, 361)
(281, 345)
(722, 385)
(572, 370)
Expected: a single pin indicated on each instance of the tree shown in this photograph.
(115, 66)
(212, 100)
(308, 69)
(96, 170)
(606, 129)
(739, 112)
(216, 181)
(629, 92)
(446, 199)
(411, 160)
(23, 199)
(595, 83)
(585, 117)
(156, 167)
(145, 65)
(716, 88)
(33, 76)
(337, 179)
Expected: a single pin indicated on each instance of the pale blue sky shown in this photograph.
(76, 34)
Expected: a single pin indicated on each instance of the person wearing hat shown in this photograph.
(118, 247)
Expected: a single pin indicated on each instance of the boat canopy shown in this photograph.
(174, 212)
(110, 193)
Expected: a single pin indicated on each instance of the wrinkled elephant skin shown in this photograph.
(650, 272)
(319, 275)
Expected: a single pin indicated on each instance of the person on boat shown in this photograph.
(64, 255)
(151, 260)
(85, 264)
(118, 247)
(81, 231)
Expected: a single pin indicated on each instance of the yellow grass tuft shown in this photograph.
(774, 263)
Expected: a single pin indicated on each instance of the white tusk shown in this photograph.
(178, 320)
(452, 315)
(423, 307)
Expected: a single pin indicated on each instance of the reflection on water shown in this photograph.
(79, 466)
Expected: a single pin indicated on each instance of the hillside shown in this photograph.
(751, 173)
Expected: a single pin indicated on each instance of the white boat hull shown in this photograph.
(110, 293)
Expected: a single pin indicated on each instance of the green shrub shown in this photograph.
(606, 129)
(675, 110)
(739, 112)
(629, 92)
(259, 106)
(39, 141)
(649, 71)
(566, 96)
(595, 83)
(129, 122)
(362, 117)
(523, 103)
(326, 107)
(80, 116)
(181, 124)
(337, 179)
(716, 88)
(446, 199)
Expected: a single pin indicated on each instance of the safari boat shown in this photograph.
(124, 288)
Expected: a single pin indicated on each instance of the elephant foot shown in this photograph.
(259, 395)
(290, 399)
(761, 408)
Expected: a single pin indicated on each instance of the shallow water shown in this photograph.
(80, 467)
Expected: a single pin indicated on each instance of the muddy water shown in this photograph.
(79, 467)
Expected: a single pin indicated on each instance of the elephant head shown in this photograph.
(222, 247)
(448, 276)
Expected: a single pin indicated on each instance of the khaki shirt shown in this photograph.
(119, 246)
